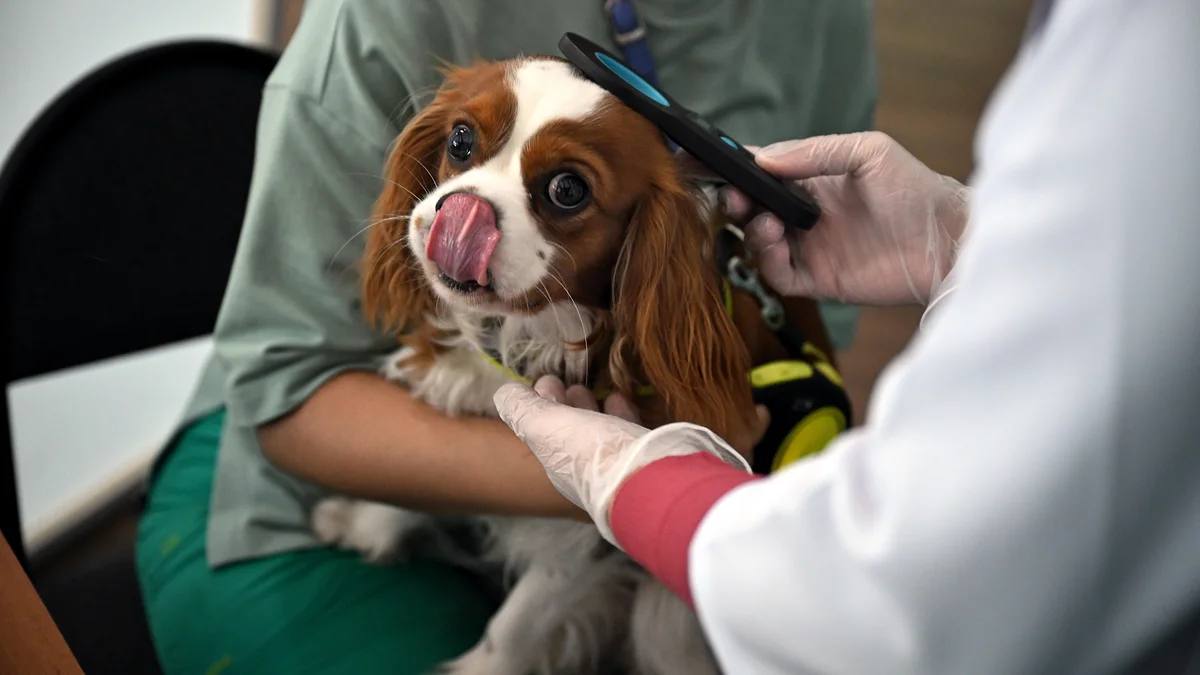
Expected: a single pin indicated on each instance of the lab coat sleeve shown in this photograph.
(1025, 492)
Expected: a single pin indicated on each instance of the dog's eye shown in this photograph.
(567, 191)
(462, 141)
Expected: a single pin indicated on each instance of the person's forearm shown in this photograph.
(658, 509)
(368, 438)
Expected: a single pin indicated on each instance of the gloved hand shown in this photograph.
(889, 227)
(588, 454)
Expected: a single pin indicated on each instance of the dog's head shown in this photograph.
(523, 184)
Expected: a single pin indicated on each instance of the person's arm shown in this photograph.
(363, 436)
(657, 510)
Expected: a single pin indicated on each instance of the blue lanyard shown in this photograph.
(630, 35)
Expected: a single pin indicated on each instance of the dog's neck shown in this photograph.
(559, 340)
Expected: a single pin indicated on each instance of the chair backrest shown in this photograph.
(120, 209)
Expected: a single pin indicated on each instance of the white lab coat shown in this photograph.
(1025, 495)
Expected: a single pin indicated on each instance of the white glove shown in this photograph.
(889, 227)
(588, 454)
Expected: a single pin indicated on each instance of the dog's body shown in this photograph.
(575, 597)
(557, 238)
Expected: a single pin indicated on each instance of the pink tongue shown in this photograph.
(462, 238)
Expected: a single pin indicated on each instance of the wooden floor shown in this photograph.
(938, 64)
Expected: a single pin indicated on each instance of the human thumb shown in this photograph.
(519, 406)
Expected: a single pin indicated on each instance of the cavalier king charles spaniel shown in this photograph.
(532, 224)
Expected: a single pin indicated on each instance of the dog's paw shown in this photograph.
(398, 367)
(374, 530)
(377, 531)
(330, 519)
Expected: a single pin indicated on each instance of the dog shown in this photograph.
(531, 224)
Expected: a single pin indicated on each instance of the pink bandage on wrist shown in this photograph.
(657, 510)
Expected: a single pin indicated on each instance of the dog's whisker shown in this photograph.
(379, 221)
(552, 307)
(390, 246)
(565, 251)
(392, 219)
(549, 302)
(415, 196)
(582, 324)
(410, 101)
(389, 181)
(421, 164)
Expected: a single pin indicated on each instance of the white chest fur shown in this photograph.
(462, 379)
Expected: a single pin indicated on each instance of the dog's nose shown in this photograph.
(463, 237)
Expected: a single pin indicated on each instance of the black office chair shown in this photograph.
(120, 209)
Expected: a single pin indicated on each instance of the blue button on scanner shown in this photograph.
(632, 79)
(730, 142)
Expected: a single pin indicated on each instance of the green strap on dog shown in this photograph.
(600, 392)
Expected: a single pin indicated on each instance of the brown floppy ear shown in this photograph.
(394, 293)
(672, 330)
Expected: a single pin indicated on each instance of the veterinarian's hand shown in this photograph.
(889, 227)
(589, 454)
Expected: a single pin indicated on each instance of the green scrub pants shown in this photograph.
(310, 611)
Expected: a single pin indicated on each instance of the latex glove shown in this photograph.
(588, 454)
(889, 227)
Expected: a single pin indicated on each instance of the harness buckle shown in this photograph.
(746, 279)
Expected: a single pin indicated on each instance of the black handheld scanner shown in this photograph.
(708, 144)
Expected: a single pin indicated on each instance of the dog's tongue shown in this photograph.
(462, 238)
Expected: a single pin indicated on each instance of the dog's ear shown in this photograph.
(394, 295)
(693, 170)
(671, 328)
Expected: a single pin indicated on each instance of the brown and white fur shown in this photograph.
(620, 292)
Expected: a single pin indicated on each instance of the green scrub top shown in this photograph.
(763, 70)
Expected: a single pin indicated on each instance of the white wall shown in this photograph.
(84, 436)
(46, 44)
